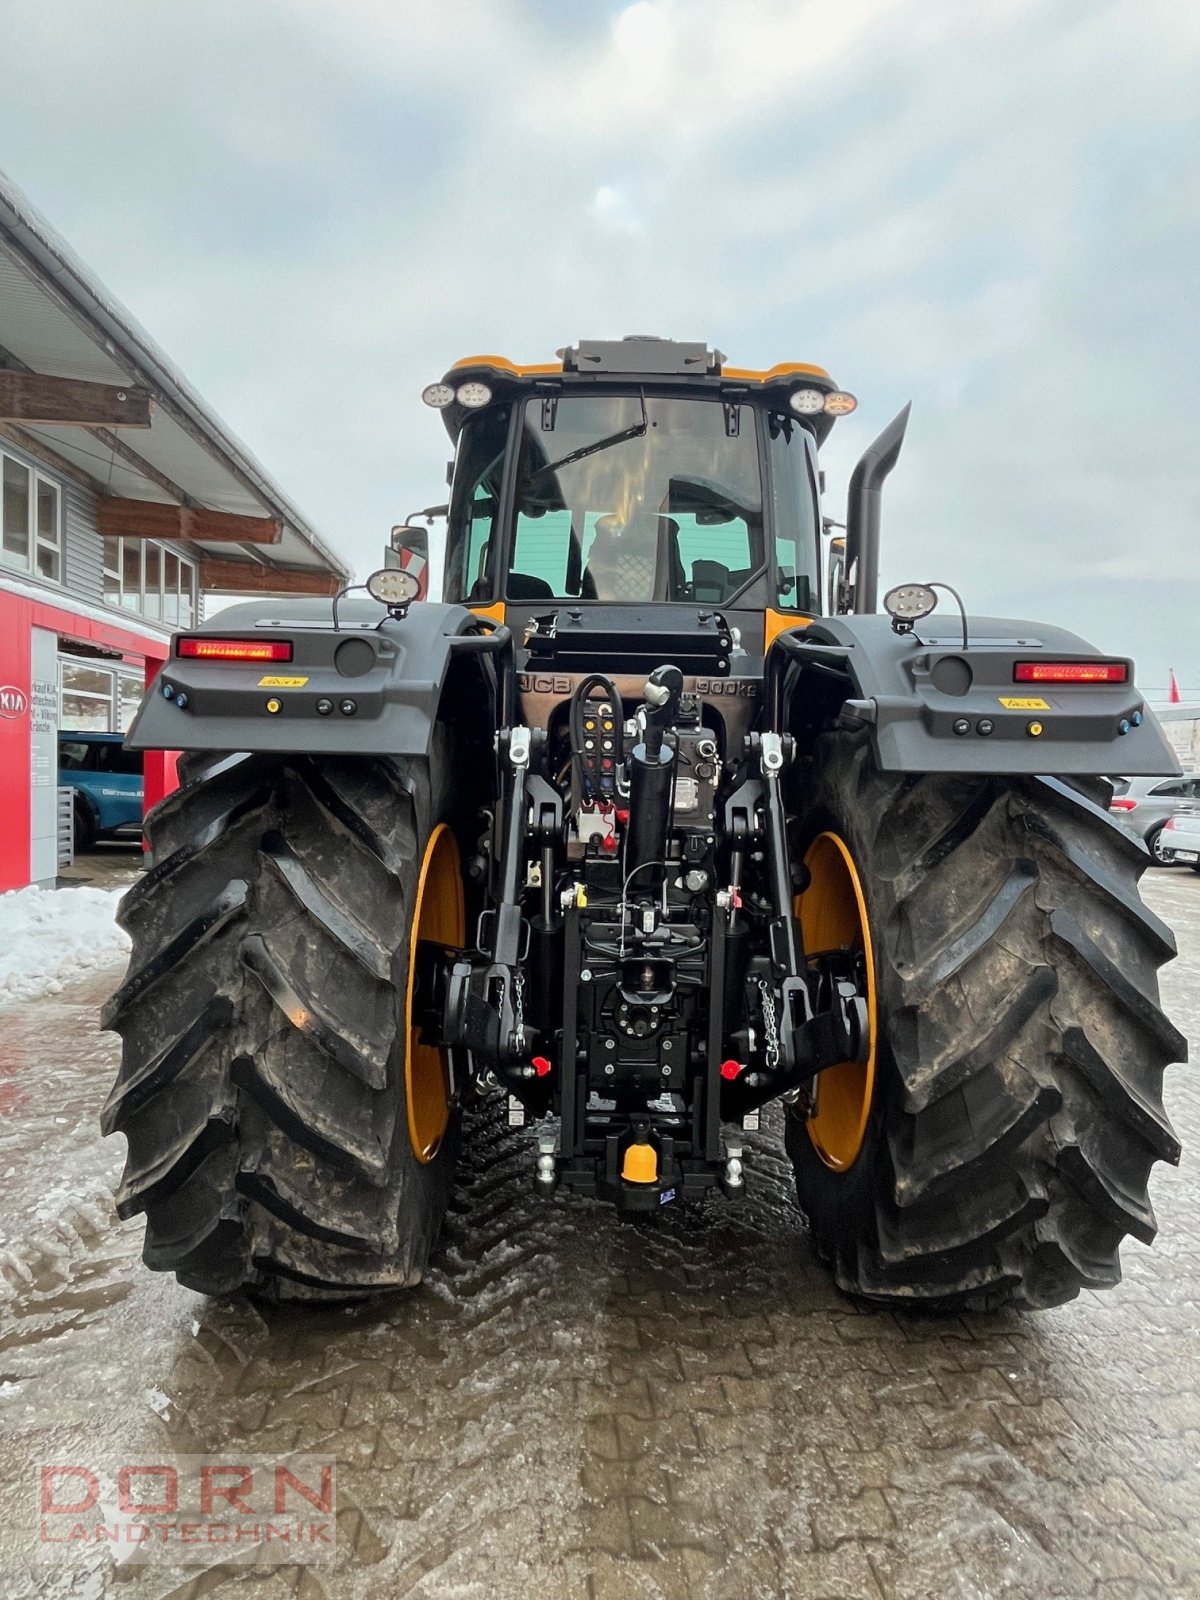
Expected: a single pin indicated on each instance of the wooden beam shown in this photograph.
(151, 519)
(138, 519)
(228, 527)
(236, 577)
(33, 397)
(106, 437)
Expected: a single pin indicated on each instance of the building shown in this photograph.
(1181, 724)
(125, 502)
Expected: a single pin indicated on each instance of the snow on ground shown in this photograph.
(48, 937)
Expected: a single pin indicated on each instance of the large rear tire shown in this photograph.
(1016, 1106)
(266, 1069)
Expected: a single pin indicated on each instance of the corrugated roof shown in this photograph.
(58, 319)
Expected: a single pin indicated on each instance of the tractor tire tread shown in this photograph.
(261, 1084)
(1019, 1108)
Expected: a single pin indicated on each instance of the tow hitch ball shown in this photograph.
(733, 1176)
(546, 1175)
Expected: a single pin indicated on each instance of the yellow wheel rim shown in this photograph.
(439, 918)
(833, 916)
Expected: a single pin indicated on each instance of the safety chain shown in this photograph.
(770, 1030)
(519, 1007)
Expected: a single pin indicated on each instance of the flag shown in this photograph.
(1173, 694)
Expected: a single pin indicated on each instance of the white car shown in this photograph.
(1179, 841)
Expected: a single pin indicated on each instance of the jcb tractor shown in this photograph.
(646, 824)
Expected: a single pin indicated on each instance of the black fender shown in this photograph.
(373, 685)
(932, 705)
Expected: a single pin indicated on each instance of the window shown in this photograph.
(16, 511)
(170, 589)
(145, 577)
(73, 754)
(152, 582)
(49, 530)
(98, 697)
(86, 696)
(131, 574)
(716, 562)
(131, 689)
(474, 504)
(794, 506)
(30, 521)
(112, 572)
(114, 758)
(625, 502)
(189, 603)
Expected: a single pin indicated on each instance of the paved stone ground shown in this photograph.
(112, 864)
(577, 1405)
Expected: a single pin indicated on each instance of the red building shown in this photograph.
(124, 502)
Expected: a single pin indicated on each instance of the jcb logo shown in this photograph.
(543, 683)
(14, 702)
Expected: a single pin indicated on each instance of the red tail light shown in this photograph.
(1122, 804)
(236, 649)
(1070, 672)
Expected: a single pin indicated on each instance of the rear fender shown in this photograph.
(383, 681)
(931, 706)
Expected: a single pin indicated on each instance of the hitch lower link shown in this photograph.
(822, 1018)
(482, 999)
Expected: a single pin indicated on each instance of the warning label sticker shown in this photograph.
(281, 683)
(1024, 703)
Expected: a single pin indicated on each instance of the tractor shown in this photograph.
(653, 819)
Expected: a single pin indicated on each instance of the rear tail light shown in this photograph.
(1071, 672)
(1168, 824)
(1122, 804)
(236, 649)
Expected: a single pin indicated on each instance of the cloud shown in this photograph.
(612, 212)
(643, 37)
(990, 210)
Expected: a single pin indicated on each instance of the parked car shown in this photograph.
(1179, 842)
(1144, 805)
(107, 780)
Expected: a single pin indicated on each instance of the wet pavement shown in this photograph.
(111, 864)
(578, 1405)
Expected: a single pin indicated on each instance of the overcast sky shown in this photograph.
(316, 205)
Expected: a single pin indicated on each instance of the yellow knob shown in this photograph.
(641, 1164)
(1034, 730)
(274, 705)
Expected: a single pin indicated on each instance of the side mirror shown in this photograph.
(408, 549)
(835, 579)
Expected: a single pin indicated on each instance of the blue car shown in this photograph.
(107, 780)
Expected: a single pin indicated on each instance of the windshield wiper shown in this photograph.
(636, 431)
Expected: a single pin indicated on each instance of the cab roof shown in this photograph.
(661, 363)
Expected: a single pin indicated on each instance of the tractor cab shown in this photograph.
(640, 472)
